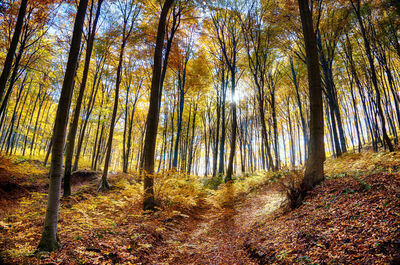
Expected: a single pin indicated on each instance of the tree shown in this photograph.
(13, 47)
(154, 112)
(74, 123)
(357, 9)
(228, 32)
(181, 73)
(128, 123)
(49, 240)
(258, 37)
(129, 11)
(314, 171)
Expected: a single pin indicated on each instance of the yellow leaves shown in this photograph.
(160, 229)
(178, 189)
(362, 163)
(143, 245)
(20, 250)
(4, 226)
(241, 186)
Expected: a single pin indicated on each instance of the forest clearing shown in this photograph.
(199, 132)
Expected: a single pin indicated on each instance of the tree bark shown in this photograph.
(75, 120)
(314, 172)
(49, 241)
(154, 112)
(13, 47)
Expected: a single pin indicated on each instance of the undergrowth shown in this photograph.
(350, 218)
(87, 214)
(88, 217)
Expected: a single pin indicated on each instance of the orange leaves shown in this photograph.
(348, 226)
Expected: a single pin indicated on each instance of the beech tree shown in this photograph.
(228, 32)
(92, 26)
(49, 240)
(154, 112)
(13, 47)
(129, 11)
(314, 171)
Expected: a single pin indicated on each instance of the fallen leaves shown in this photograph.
(342, 222)
(353, 218)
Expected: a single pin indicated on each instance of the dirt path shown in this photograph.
(218, 236)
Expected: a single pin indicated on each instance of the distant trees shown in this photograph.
(129, 11)
(357, 9)
(228, 32)
(327, 41)
(257, 39)
(133, 79)
(181, 74)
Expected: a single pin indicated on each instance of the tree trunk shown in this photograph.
(303, 122)
(75, 120)
(13, 47)
(191, 148)
(49, 241)
(314, 172)
(223, 126)
(104, 183)
(181, 82)
(154, 112)
(229, 170)
(374, 78)
(216, 139)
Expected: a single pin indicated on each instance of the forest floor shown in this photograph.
(352, 218)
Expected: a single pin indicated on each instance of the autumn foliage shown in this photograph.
(351, 218)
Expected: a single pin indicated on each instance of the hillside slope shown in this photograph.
(352, 218)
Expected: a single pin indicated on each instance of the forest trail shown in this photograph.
(217, 236)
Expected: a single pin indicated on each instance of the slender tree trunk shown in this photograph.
(314, 172)
(191, 148)
(10, 136)
(154, 112)
(36, 124)
(291, 140)
(223, 124)
(355, 116)
(229, 171)
(13, 47)
(164, 142)
(75, 120)
(49, 241)
(21, 111)
(374, 78)
(13, 79)
(170, 156)
(104, 183)
(216, 139)
(181, 82)
(124, 140)
(30, 121)
(303, 122)
(129, 141)
(275, 126)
